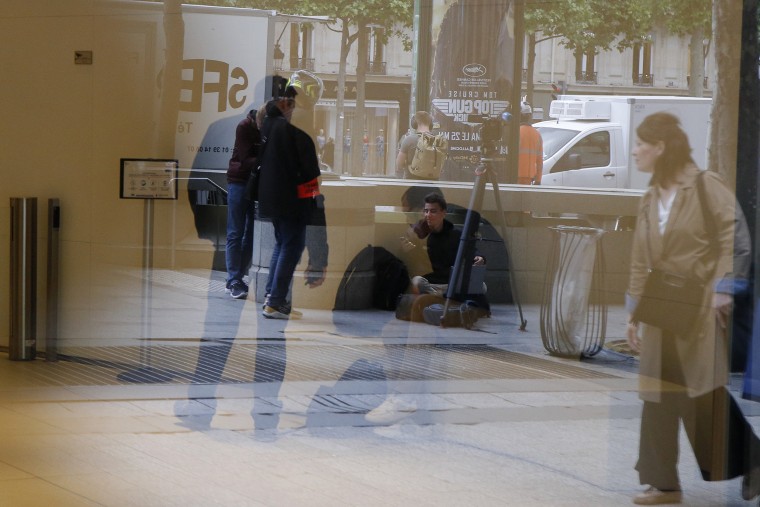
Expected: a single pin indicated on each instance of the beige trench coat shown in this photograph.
(687, 249)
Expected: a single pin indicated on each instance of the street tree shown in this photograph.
(727, 30)
(174, 28)
(584, 26)
(693, 19)
(588, 26)
(353, 20)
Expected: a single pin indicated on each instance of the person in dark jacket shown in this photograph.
(442, 247)
(240, 210)
(288, 194)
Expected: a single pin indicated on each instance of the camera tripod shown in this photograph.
(459, 280)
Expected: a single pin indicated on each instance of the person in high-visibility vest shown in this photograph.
(531, 162)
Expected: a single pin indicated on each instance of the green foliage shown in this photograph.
(388, 14)
(682, 17)
(598, 24)
(383, 13)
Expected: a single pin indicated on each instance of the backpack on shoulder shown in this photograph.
(429, 156)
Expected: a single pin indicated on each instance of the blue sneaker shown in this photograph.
(238, 290)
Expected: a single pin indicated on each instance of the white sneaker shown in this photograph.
(392, 410)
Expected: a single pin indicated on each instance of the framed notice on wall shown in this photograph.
(148, 178)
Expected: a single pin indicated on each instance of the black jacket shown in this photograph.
(287, 159)
(442, 250)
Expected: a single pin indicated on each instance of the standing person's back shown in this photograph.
(531, 161)
(287, 190)
(421, 122)
(289, 160)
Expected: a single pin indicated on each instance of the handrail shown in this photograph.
(209, 180)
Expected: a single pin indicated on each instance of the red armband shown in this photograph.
(308, 190)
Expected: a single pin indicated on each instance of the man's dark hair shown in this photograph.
(421, 118)
(436, 198)
(414, 197)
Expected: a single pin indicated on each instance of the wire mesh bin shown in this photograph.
(573, 310)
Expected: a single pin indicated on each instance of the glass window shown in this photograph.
(554, 139)
(591, 151)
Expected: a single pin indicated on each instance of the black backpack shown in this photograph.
(373, 265)
(391, 279)
(352, 293)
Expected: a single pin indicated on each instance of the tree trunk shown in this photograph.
(749, 120)
(531, 67)
(174, 28)
(358, 162)
(340, 98)
(727, 16)
(697, 63)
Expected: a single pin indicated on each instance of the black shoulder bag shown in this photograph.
(674, 302)
(252, 186)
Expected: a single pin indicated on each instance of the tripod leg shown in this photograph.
(462, 265)
(503, 224)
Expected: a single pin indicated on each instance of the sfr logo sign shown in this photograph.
(214, 77)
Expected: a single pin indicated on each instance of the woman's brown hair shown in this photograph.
(666, 127)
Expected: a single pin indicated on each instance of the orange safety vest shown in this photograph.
(531, 162)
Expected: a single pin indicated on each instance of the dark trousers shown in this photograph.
(240, 216)
(290, 239)
(723, 442)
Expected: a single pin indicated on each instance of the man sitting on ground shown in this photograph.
(442, 247)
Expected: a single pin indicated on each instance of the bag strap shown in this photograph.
(707, 218)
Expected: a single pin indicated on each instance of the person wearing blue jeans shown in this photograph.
(240, 210)
(288, 196)
(239, 250)
(290, 240)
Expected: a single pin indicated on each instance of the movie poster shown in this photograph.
(473, 52)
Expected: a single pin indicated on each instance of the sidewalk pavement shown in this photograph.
(499, 421)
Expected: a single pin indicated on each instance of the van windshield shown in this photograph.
(554, 139)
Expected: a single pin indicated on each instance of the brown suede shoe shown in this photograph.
(653, 496)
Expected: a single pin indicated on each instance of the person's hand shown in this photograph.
(479, 261)
(406, 245)
(315, 277)
(722, 303)
(632, 335)
(420, 230)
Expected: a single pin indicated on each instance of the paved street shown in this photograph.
(498, 422)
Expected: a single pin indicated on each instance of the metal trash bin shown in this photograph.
(573, 309)
(23, 295)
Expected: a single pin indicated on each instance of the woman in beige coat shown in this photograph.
(683, 378)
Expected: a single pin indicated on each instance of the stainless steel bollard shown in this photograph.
(51, 320)
(23, 297)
